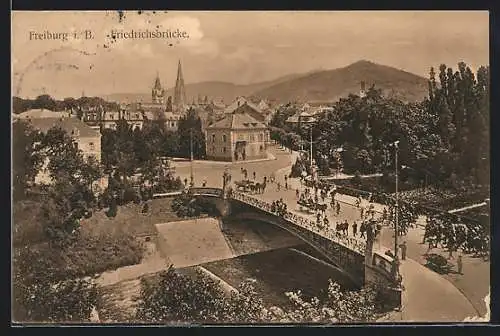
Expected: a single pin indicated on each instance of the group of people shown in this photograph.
(279, 207)
(443, 229)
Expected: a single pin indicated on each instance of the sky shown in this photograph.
(237, 47)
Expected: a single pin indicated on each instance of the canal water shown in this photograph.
(277, 271)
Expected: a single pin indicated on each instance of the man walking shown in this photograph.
(403, 250)
(459, 264)
(354, 229)
(338, 208)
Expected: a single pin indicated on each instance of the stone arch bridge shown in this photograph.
(355, 257)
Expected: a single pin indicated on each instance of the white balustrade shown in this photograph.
(344, 240)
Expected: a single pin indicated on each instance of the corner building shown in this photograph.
(237, 137)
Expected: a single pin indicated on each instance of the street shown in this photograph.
(452, 297)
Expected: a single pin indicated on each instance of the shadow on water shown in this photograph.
(279, 270)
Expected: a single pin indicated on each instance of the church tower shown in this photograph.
(180, 92)
(158, 93)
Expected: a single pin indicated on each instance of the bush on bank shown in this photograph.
(178, 298)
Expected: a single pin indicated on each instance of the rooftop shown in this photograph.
(238, 121)
(42, 113)
(67, 124)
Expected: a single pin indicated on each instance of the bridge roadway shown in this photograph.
(353, 243)
(306, 222)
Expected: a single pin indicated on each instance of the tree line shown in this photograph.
(444, 138)
(46, 102)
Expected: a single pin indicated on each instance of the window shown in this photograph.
(91, 146)
(137, 116)
(223, 149)
(111, 116)
(241, 137)
(261, 137)
(252, 138)
(224, 138)
(261, 148)
(213, 138)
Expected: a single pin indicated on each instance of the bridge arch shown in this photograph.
(275, 221)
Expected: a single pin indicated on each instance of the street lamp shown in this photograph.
(191, 150)
(395, 264)
(310, 121)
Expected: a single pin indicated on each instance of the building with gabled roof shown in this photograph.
(88, 140)
(237, 137)
(42, 114)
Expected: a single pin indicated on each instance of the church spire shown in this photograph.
(157, 93)
(157, 81)
(180, 91)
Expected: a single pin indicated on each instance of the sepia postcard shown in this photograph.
(194, 168)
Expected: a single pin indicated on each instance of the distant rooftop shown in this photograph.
(42, 113)
(70, 125)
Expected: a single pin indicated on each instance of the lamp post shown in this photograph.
(395, 267)
(397, 199)
(311, 139)
(191, 151)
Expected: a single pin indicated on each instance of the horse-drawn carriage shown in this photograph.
(248, 185)
(311, 206)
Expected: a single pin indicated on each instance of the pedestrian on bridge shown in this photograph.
(338, 208)
(278, 186)
(354, 229)
(204, 184)
(254, 176)
(297, 193)
(362, 230)
(346, 227)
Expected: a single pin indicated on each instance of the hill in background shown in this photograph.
(318, 85)
(330, 85)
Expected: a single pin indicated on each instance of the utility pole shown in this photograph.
(397, 205)
(311, 138)
(191, 150)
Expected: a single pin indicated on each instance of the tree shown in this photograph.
(190, 130)
(27, 158)
(43, 293)
(44, 102)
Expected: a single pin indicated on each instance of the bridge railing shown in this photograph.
(341, 239)
(206, 191)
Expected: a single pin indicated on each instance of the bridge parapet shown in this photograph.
(351, 243)
(216, 192)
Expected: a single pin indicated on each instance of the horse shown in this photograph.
(321, 207)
